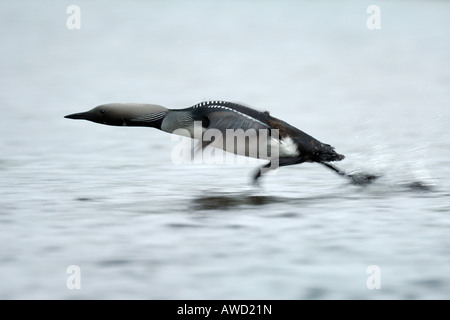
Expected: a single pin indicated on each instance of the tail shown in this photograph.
(326, 153)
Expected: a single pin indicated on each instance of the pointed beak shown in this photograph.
(82, 116)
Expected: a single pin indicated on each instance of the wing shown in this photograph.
(222, 115)
(230, 118)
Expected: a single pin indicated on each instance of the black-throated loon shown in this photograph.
(293, 145)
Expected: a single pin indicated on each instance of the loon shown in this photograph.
(293, 145)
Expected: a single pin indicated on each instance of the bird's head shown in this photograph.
(124, 114)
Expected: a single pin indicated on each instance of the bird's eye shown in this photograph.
(102, 111)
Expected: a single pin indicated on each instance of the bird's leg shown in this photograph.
(282, 162)
(335, 169)
(356, 179)
(259, 172)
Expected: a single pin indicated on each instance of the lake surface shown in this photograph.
(111, 202)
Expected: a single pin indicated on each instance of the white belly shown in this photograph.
(269, 149)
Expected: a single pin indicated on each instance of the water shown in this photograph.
(110, 200)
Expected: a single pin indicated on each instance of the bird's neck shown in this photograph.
(153, 120)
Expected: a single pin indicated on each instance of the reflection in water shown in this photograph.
(224, 202)
(418, 186)
(227, 201)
